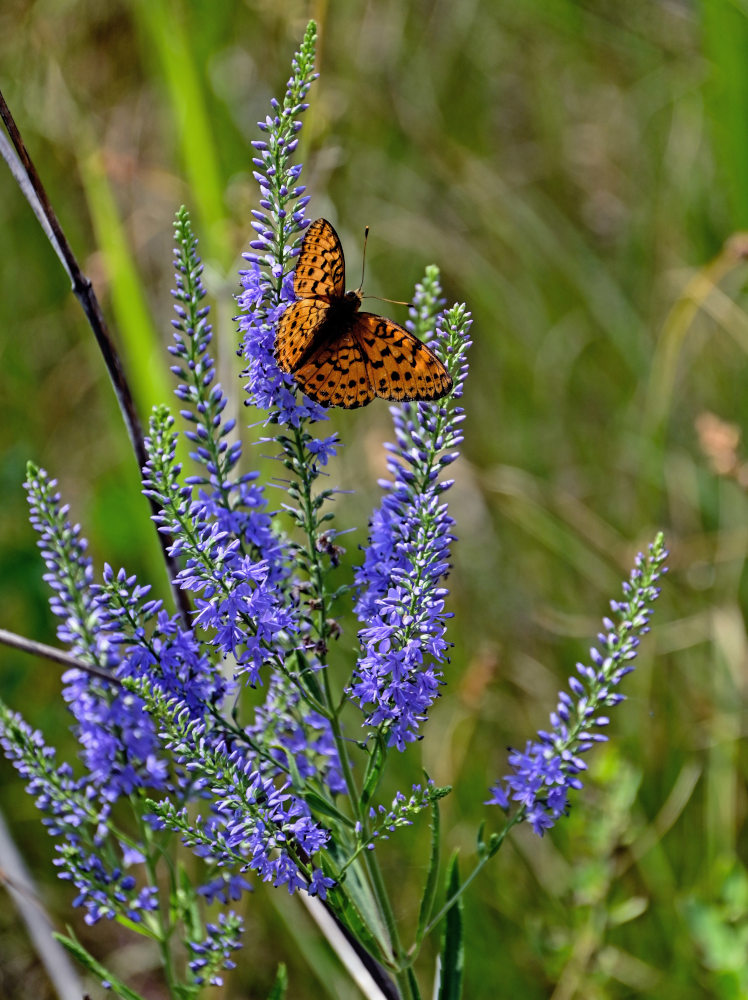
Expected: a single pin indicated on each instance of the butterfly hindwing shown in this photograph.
(337, 374)
(296, 329)
(398, 365)
(320, 270)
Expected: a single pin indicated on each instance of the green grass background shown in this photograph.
(577, 171)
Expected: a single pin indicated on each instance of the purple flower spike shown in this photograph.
(550, 766)
(401, 602)
(268, 281)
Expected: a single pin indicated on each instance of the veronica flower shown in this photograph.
(105, 892)
(286, 726)
(401, 602)
(156, 644)
(214, 951)
(542, 776)
(234, 594)
(236, 505)
(117, 736)
(268, 281)
(92, 854)
(254, 823)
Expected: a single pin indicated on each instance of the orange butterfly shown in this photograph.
(338, 355)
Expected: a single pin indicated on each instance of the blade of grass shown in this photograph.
(725, 43)
(164, 25)
(141, 342)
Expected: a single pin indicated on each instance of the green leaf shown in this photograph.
(482, 846)
(186, 84)
(278, 991)
(352, 906)
(413, 983)
(137, 927)
(142, 345)
(453, 950)
(88, 962)
(296, 780)
(296, 662)
(187, 909)
(429, 890)
(321, 805)
(374, 768)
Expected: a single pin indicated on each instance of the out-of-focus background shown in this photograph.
(579, 171)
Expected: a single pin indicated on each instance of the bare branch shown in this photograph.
(24, 172)
(56, 655)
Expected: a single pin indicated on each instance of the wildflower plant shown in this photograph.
(289, 791)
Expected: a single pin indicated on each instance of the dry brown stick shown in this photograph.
(56, 655)
(30, 183)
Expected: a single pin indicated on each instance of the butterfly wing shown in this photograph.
(337, 374)
(398, 365)
(320, 270)
(296, 329)
(318, 280)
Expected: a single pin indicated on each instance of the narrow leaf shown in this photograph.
(320, 805)
(297, 663)
(413, 983)
(429, 890)
(350, 911)
(278, 991)
(186, 904)
(374, 768)
(88, 962)
(482, 848)
(453, 949)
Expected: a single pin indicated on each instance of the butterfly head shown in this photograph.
(353, 296)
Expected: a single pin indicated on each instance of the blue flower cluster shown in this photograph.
(153, 643)
(105, 893)
(254, 823)
(288, 727)
(401, 602)
(402, 811)
(116, 735)
(215, 950)
(234, 504)
(550, 766)
(93, 852)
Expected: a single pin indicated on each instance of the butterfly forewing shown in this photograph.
(296, 329)
(320, 271)
(399, 366)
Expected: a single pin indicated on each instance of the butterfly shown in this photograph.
(338, 355)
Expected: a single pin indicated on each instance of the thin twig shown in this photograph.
(56, 655)
(24, 172)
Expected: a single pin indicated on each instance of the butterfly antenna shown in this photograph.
(394, 302)
(363, 260)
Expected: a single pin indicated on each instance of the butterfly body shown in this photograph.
(339, 317)
(339, 355)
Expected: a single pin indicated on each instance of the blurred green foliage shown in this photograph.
(579, 172)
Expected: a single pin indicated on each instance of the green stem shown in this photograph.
(403, 984)
(388, 913)
(165, 929)
(318, 581)
(496, 843)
